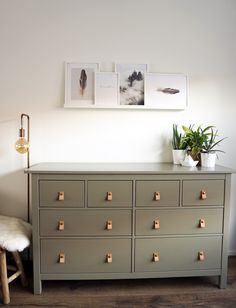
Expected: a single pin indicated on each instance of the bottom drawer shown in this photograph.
(179, 254)
(85, 255)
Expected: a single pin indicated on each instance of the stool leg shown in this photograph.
(3, 276)
(20, 267)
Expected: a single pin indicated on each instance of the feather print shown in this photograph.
(82, 81)
(169, 90)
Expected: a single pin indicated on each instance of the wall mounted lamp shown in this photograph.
(22, 147)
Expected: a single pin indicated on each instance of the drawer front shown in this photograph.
(85, 222)
(157, 193)
(61, 193)
(109, 193)
(85, 256)
(179, 221)
(193, 192)
(180, 254)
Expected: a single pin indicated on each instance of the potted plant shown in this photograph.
(195, 138)
(208, 152)
(179, 145)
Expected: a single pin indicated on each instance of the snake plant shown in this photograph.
(178, 141)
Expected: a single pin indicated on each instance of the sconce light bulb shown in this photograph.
(22, 145)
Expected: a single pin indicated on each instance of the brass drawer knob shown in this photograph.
(61, 225)
(156, 257)
(202, 223)
(109, 258)
(109, 225)
(156, 224)
(203, 195)
(62, 258)
(109, 196)
(61, 196)
(201, 256)
(157, 196)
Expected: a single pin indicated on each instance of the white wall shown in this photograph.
(193, 37)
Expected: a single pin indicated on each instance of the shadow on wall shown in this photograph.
(163, 150)
(13, 194)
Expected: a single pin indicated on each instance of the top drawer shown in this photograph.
(157, 193)
(61, 193)
(203, 192)
(109, 193)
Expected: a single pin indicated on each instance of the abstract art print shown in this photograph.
(106, 89)
(131, 83)
(79, 88)
(165, 91)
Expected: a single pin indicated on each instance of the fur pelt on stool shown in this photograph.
(15, 233)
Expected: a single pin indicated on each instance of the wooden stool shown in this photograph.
(5, 280)
(14, 237)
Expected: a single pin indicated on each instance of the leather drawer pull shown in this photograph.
(157, 196)
(61, 196)
(202, 223)
(203, 195)
(201, 256)
(61, 225)
(62, 258)
(156, 257)
(156, 224)
(109, 225)
(109, 258)
(109, 196)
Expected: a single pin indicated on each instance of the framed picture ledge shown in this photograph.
(131, 86)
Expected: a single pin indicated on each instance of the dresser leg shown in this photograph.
(223, 281)
(37, 286)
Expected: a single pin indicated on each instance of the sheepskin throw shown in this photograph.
(15, 233)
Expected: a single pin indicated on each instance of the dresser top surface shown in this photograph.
(121, 168)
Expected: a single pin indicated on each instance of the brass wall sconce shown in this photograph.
(22, 146)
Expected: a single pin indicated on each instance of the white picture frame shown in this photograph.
(166, 91)
(79, 84)
(106, 89)
(131, 90)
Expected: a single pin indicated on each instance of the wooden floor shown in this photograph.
(177, 292)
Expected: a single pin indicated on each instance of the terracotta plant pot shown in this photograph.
(196, 157)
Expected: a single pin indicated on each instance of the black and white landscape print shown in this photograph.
(131, 83)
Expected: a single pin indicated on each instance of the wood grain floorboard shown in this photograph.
(145, 293)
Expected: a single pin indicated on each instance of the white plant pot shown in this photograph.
(178, 155)
(208, 160)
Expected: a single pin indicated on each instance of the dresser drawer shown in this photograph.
(85, 222)
(85, 256)
(61, 193)
(179, 254)
(157, 193)
(109, 193)
(179, 221)
(203, 192)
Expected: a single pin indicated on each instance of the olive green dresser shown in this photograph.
(125, 221)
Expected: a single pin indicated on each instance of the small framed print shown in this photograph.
(79, 84)
(165, 91)
(106, 89)
(131, 83)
